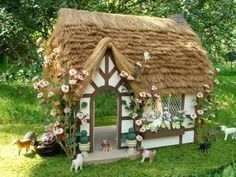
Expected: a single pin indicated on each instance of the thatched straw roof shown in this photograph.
(178, 64)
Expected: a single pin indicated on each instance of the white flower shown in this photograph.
(58, 131)
(53, 112)
(40, 95)
(84, 121)
(193, 116)
(72, 72)
(67, 110)
(146, 55)
(138, 100)
(210, 72)
(217, 70)
(148, 95)
(139, 64)
(216, 81)
(40, 50)
(130, 78)
(142, 94)
(139, 138)
(154, 88)
(79, 76)
(206, 86)
(65, 88)
(213, 115)
(199, 94)
(36, 86)
(134, 115)
(138, 122)
(84, 72)
(200, 112)
(175, 118)
(72, 82)
(80, 115)
(142, 129)
(123, 74)
(50, 94)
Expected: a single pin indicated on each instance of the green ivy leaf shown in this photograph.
(77, 133)
(123, 102)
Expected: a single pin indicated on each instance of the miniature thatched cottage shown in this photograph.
(107, 44)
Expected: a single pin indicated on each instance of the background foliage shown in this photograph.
(23, 21)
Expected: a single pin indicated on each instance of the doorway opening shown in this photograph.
(105, 119)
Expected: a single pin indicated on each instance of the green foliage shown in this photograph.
(131, 135)
(84, 104)
(83, 137)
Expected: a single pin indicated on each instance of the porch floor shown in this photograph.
(109, 133)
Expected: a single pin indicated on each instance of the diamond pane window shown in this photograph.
(172, 103)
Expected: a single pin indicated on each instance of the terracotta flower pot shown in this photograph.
(131, 144)
(84, 148)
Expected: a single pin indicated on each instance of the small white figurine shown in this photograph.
(147, 154)
(228, 131)
(76, 163)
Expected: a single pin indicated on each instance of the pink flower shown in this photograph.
(193, 116)
(83, 121)
(72, 72)
(80, 115)
(138, 122)
(138, 100)
(142, 94)
(154, 88)
(72, 82)
(79, 76)
(65, 88)
(123, 74)
(58, 131)
(130, 78)
(199, 94)
(84, 72)
(139, 138)
(50, 94)
(142, 129)
(67, 110)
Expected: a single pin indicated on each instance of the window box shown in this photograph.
(162, 133)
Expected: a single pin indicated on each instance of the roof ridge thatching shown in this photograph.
(178, 65)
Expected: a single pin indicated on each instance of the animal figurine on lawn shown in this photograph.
(30, 136)
(106, 146)
(212, 133)
(76, 163)
(21, 144)
(145, 153)
(204, 146)
(228, 131)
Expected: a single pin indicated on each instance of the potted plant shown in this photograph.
(131, 141)
(84, 144)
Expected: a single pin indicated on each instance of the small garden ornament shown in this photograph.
(204, 146)
(106, 146)
(131, 141)
(76, 163)
(145, 153)
(228, 131)
(212, 133)
(84, 143)
(21, 144)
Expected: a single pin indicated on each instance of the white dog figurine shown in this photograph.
(228, 131)
(76, 163)
(147, 154)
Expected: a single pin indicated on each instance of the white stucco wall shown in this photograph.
(125, 125)
(188, 103)
(159, 142)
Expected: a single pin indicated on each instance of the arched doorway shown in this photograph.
(106, 119)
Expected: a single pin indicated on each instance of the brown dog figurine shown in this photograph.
(106, 146)
(145, 153)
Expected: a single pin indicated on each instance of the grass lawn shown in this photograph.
(170, 161)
